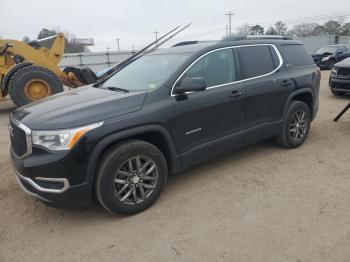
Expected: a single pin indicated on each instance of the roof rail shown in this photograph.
(256, 37)
(193, 42)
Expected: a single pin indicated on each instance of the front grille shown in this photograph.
(18, 139)
(343, 71)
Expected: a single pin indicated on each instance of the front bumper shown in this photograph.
(46, 177)
(339, 84)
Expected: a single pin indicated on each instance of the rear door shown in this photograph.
(265, 88)
(210, 122)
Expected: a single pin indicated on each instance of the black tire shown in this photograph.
(110, 164)
(286, 139)
(337, 93)
(18, 82)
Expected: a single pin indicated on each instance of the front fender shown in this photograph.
(111, 139)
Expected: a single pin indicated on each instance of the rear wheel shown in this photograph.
(130, 178)
(32, 83)
(296, 125)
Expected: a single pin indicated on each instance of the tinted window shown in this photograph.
(216, 68)
(341, 49)
(256, 61)
(297, 55)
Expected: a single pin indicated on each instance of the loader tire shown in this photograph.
(32, 83)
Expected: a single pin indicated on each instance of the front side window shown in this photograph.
(257, 60)
(216, 68)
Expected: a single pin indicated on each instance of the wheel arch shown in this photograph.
(305, 95)
(154, 134)
(10, 73)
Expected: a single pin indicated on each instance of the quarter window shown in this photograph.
(297, 55)
(216, 68)
(257, 60)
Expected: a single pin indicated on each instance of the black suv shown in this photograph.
(325, 57)
(166, 111)
(339, 80)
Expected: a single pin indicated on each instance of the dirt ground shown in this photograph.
(262, 203)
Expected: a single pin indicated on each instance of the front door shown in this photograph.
(210, 122)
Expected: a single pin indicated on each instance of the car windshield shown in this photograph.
(146, 73)
(326, 49)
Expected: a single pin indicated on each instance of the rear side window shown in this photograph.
(216, 68)
(297, 55)
(257, 60)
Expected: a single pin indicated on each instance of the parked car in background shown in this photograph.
(327, 56)
(339, 80)
(170, 109)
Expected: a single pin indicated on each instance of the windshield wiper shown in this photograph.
(117, 89)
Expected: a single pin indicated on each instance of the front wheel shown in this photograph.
(296, 125)
(130, 177)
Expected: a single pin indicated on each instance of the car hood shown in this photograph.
(314, 55)
(79, 107)
(344, 63)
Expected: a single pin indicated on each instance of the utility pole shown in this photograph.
(229, 14)
(118, 39)
(108, 59)
(156, 33)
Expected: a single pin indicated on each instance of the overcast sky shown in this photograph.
(135, 21)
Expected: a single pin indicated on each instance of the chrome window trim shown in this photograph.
(28, 133)
(239, 81)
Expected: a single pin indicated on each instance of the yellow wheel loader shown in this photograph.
(29, 72)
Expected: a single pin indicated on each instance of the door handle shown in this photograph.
(236, 93)
(287, 83)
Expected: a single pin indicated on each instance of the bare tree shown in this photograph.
(332, 27)
(345, 30)
(304, 29)
(281, 28)
(244, 29)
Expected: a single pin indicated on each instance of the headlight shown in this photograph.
(334, 71)
(325, 58)
(58, 140)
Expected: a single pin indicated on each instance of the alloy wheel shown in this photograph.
(135, 180)
(298, 125)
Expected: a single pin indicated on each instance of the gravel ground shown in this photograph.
(262, 203)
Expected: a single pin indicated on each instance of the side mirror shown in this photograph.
(191, 84)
